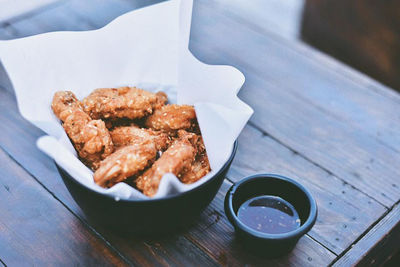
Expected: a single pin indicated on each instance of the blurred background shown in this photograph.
(364, 34)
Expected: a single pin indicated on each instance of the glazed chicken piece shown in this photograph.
(176, 159)
(128, 135)
(90, 138)
(123, 102)
(170, 118)
(125, 162)
(64, 102)
(200, 166)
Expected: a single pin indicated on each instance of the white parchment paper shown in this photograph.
(147, 48)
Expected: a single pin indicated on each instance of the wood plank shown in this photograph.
(164, 251)
(75, 15)
(155, 245)
(377, 245)
(215, 235)
(330, 79)
(14, 9)
(353, 211)
(284, 109)
(348, 94)
(344, 213)
(36, 229)
(342, 70)
(99, 13)
(56, 19)
(171, 250)
(336, 80)
(280, 17)
(168, 251)
(137, 250)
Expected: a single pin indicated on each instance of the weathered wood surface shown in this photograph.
(219, 242)
(344, 212)
(376, 246)
(142, 252)
(307, 106)
(37, 229)
(316, 121)
(15, 9)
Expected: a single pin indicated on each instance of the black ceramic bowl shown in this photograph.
(270, 245)
(146, 216)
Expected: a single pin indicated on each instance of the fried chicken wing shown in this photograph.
(105, 129)
(200, 166)
(128, 135)
(123, 102)
(170, 118)
(90, 138)
(176, 159)
(64, 102)
(125, 162)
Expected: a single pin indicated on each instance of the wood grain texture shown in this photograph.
(376, 246)
(12, 10)
(55, 19)
(153, 251)
(306, 119)
(36, 229)
(73, 15)
(363, 33)
(280, 17)
(164, 251)
(301, 103)
(220, 242)
(349, 95)
(344, 213)
(173, 251)
(99, 13)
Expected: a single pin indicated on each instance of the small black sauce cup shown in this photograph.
(270, 245)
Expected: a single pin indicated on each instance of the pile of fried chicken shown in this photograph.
(131, 135)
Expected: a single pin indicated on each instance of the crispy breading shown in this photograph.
(111, 118)
(128, 135)
(162, 98)
(125, 162)
(199, 168)
(176, 159)
(123, 102)
(64, 102)
(170, 118)
(90, 138)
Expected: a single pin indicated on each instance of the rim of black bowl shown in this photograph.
(234, 148)
(303, 229)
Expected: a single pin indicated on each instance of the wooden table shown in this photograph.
(316, 120)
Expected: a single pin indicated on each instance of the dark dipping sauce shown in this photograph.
(269, 214)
